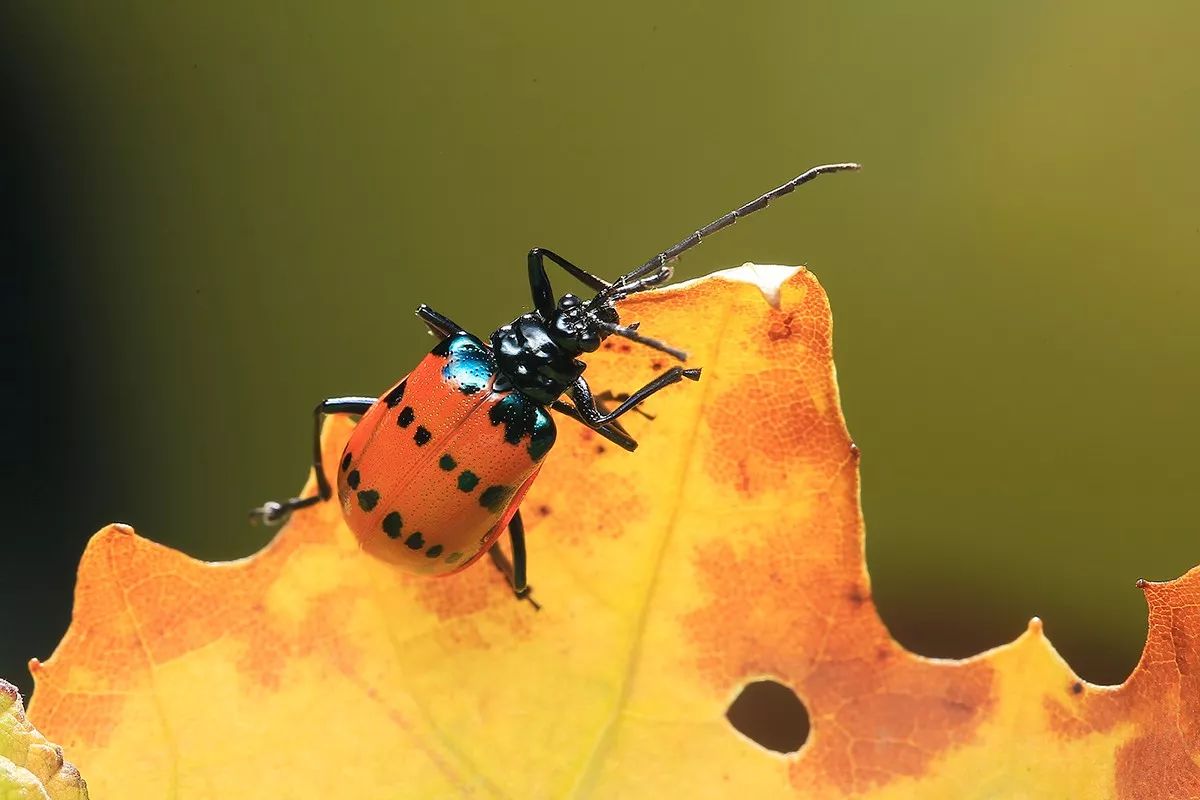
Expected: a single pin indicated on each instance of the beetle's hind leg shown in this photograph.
(514, 571)
(274, 512)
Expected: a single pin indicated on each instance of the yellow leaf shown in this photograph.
(727, 549)
(31, 768)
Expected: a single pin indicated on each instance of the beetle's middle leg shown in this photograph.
(274, 512)
(514, 571)
(613, 431)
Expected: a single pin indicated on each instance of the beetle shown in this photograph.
(438, 465)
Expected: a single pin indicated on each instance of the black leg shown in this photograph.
(607, 397)
(612, 431)
(585, 404)
(438, 324)
(272, 512)
(514, 571)
(539, 282)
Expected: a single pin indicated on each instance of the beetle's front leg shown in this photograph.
(539, 281)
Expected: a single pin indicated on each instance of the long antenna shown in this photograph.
(656, 270)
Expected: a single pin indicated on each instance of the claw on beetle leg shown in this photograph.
(270, 514)
(527, 595)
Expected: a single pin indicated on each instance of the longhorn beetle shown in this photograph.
(438, 465)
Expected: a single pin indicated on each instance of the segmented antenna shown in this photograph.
(630, 332)
(657, 269)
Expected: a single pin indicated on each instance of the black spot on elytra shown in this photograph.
(856, 597)
(368, 499)
(1076, 688)
(656, 365)
(494, 498)
(447, 462)
(394, 397)
(415, 541)
(453, 558)
(353, 478)
(516, 413)
(543, 510)
(422, 436)
(467, 480)
(522, 417)
(392, 524)
(600, 449)
(346, 461)
(407, 415)
(434, 551)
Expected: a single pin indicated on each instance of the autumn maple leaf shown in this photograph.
(727, 550)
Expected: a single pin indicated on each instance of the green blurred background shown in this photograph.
(214, 216)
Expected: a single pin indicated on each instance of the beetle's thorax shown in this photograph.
(539, 357)
(531, 361)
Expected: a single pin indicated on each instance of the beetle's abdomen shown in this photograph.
(436, 468)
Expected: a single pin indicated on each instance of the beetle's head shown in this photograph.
(578, 328)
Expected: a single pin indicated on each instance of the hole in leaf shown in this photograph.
(770, 714)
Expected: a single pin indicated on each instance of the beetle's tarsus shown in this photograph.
(270, 514)
(527, 594)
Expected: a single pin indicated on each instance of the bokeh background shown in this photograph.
(216, 214)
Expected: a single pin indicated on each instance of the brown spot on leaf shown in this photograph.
(779, 326)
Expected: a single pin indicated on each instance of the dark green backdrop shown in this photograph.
(215, 216)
